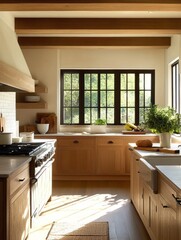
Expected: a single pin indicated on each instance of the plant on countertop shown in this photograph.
(100, 121)
(162, 120)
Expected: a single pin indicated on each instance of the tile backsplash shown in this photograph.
(8, 110)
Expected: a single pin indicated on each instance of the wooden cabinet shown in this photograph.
(160, 213)
(143, 198)
(15, 205)
(93, 157)
(75, 157)
(109, 156)
(148, 209)
(21, 104)
(135, 185)
(168, 211)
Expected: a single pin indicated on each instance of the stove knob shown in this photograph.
(38, 163)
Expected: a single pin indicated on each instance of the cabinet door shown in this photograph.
(168, 223)
(109, 156)
(20, 214)
(149, 210)
(168, 211)
(135, 188)
(75, 156)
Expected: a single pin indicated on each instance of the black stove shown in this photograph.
(21, 148)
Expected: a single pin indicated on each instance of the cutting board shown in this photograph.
(133, 132)
(158, 149)
(50, 118)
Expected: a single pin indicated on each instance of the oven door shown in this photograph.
(41, 190)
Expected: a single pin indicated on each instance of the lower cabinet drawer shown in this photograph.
(167, 193)
(18, 180)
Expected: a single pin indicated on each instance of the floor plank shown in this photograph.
(85, 201)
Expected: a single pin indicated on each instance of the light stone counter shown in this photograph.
(172, 173)
(8, 164)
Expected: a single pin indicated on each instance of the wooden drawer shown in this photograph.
(167, 192)
(76, 141)
(109, 140)
(18, 180)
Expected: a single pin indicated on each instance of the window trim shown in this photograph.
(117, 73)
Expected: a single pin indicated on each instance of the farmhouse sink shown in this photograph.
(148, 169)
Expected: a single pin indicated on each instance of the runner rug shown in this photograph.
(90, 231)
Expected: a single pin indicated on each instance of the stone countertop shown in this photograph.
(172, 173)
(9, 164)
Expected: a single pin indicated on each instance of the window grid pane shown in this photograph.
(115, 95)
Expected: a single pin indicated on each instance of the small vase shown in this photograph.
(165, 140)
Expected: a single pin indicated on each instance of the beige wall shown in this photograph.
(45, 65)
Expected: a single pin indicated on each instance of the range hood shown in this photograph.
(14, 72)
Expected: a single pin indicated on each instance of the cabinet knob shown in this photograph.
(76, 141)
(110, 142)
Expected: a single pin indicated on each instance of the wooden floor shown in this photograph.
(83, 202)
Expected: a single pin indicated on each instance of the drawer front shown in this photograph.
(76, 141)
(109, 141)
(167, 193)
(18, 180)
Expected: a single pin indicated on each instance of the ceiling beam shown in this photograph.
(97, 25)
(90, 5)
(54, 42)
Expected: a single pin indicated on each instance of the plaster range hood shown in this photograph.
(14, 72)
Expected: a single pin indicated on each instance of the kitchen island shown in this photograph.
(159, 210)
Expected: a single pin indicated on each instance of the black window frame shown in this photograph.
(176, 96)
(117, 96)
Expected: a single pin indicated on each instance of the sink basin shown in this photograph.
(148, 169)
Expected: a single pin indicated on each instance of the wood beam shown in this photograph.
(55, 42)
(97, 25)
(90, 5)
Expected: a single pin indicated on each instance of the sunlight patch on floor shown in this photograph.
(78, 209)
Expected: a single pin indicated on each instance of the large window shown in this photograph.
(176, 87)
(118, 96)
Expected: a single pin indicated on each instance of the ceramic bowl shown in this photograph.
(42, 127)
(32, 98)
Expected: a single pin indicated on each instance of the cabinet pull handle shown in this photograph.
(110, 142)
(21, 179)
(137, 159)
(130, 149)
(177, 199)
(76, 141)
(164, 206)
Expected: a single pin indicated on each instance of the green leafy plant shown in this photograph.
(160, 120)
(100, 121)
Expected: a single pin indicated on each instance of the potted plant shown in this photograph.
(164, 121)
(99, 126)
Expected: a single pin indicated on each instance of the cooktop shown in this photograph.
(20, 148)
